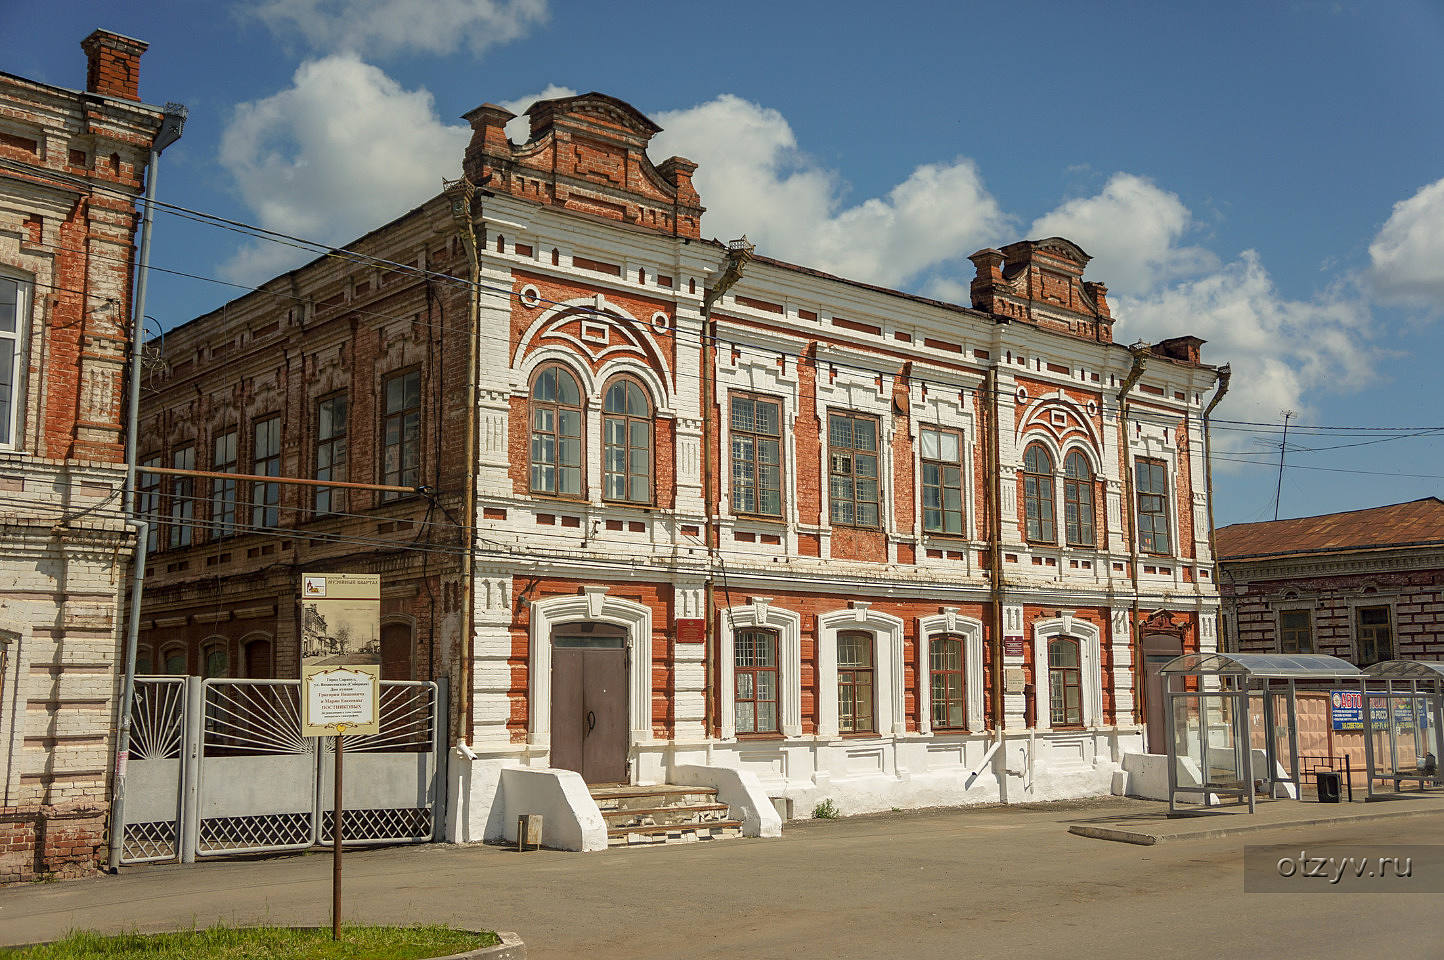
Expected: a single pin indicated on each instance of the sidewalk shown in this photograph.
(1155, 826)
(1001, 882)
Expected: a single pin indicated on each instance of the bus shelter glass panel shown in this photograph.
(1210, 744)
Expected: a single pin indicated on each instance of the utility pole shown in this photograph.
(1283, 445)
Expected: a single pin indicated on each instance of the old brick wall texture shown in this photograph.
(71, 246)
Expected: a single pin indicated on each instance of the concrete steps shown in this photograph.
(642, 816)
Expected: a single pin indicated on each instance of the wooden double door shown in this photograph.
(589, 701)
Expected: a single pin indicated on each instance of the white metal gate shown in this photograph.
(220, 767)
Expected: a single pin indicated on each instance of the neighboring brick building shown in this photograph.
(1364, 585)
(762, 495)
(71, 165)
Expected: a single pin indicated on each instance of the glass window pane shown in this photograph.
(928, 444)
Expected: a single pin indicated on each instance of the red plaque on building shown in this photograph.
(691, 631)
(1012, 646)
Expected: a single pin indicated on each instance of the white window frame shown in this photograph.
(951, 623)
(1090, 672)
(889, 706)
(759, 612)
(19, 399)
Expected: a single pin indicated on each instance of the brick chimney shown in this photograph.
(113, 64)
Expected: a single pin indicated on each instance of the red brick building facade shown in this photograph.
(1364, 585)
(72, 164)
(867, 546)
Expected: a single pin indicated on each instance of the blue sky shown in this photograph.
(1267, 176)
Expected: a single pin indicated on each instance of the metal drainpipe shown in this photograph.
(1225, 373)
(1139, 351)
(462, 194)
(995, 548)
(173, 120)
(739, 252)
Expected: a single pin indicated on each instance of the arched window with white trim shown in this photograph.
(755, 681)
(1065, 684)
(1038, 506)
(945, 683)
(557, 415)
(1078, 510)
(626, 442)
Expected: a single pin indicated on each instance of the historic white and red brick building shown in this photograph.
(728, 511)
(1365, 585)
(72, 163)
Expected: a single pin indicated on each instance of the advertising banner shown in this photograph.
(1347, 709)
(340, 653)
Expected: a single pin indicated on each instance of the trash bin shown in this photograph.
(1328, 783)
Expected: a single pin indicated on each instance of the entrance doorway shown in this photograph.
(589, 701)
(1158, 649)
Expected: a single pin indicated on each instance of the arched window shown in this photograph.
(1065, 685)
(855, 709)
(1038, 495)
(755, 676)
(627, 438)
(556, 433)
(945, 668)
(1078, 500)
(257, 657)
(217, 661)
(174, 660)
(144, 662)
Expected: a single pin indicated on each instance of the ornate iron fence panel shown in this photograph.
(258, 771)
(155, 770)
(220, 767)
(390, 784)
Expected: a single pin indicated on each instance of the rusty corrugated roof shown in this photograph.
(1399, 524)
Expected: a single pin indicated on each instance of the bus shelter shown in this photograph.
(1211, 699)
(1400, 707)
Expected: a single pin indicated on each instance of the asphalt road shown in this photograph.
(995, 883)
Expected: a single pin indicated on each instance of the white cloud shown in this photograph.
(385, 27)
(754, 180)
(1406, 263)
(341, 151)
(518, 130)
(1281, 350)
(1132, 230)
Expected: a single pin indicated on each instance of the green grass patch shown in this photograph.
(262, 943)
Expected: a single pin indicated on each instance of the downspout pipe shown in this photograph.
(173, 120)
(739, 252)
(995, 550)
(1140, 352)
(461, 194)
(1225, 373)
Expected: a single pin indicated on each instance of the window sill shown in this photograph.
(856, 526)
(770, 735)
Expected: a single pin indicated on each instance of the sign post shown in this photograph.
(340, 678)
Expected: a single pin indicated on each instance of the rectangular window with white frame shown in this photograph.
(942, 481)
(756, 435)
(14, 313)
(1151, 485)
(853, 490)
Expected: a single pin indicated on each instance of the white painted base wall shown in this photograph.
(859, 775)
(486, 796)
